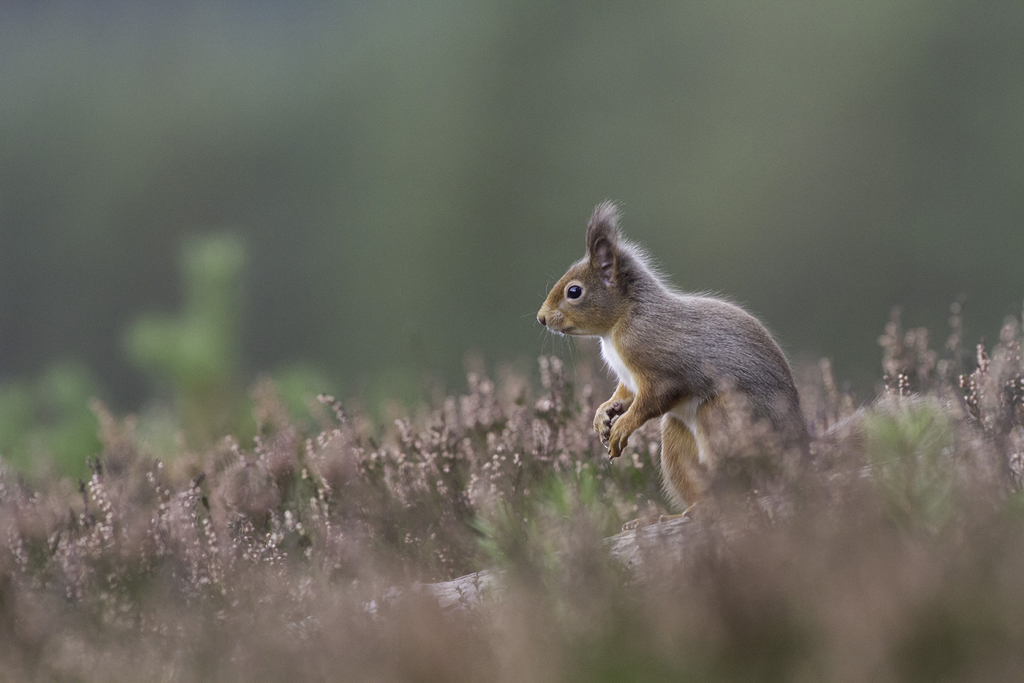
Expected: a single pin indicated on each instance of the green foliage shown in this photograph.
(528, 538)
(47, 424)
(296, 386)
(910, 448)
(197, 354)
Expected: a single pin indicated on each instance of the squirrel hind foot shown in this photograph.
(648, 520)
(641, 522)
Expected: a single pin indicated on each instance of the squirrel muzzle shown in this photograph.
(552, 318)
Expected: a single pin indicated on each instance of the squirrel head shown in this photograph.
(591, 297)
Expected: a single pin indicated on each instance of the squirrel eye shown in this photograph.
(574, 292)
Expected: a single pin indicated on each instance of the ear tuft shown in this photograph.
(602, 241)
(604, 222)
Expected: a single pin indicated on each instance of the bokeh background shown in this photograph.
(389, 186)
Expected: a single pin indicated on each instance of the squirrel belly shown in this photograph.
(685, 411)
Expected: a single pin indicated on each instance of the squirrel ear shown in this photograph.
(602, 241)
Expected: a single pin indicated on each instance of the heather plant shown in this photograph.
(301, 553)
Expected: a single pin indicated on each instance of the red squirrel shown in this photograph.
(703, 365)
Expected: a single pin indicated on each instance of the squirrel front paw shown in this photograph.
(618, 439)
(605, 417)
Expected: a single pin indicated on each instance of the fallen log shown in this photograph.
(665, 541)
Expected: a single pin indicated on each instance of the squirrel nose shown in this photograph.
(540, 319)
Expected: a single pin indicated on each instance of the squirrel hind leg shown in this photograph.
(684, 476)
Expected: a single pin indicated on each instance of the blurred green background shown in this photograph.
(403, 181)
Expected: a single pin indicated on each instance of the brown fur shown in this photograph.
(683, 475)
(708, 367)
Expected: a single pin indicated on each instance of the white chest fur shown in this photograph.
(614, 360)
